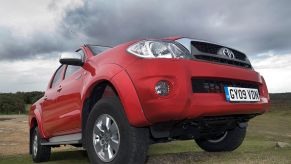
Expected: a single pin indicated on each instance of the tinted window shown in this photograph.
(71, 69)
(98, 49)
(58, 77)
(81, 52)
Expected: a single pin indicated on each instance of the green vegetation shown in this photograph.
(259, 146)
(280, 101)
(15, 103)
(11, 104)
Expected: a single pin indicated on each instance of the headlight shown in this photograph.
(159, 49)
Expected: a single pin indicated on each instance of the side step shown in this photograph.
(63, 140)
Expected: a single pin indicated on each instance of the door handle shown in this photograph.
(59, 89)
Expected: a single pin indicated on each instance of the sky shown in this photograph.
(34, 32)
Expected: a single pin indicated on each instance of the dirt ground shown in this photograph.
(260, 145)
(13, 134)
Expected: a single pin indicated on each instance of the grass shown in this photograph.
(259, 147)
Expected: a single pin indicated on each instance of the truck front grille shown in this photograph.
(207, 85)
(214, 48)
(209, 52)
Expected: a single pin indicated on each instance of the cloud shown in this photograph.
(43, 27)
(33, 29)
(27, 75)
(33, 33)
(37, 44)
(252, 26)
(276, 70)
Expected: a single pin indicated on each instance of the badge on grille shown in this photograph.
(227, 52)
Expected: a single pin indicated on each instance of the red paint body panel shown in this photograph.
(36, 113)
(129, 99)
(182, 103)
(134, 79)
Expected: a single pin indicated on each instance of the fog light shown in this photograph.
(162, 88)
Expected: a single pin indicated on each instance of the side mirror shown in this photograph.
(72, 58)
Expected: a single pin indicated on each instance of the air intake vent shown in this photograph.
(205, 85)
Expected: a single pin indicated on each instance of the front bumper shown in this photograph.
(182, 103)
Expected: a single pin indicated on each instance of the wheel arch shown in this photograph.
(129, 99)
(120, 86)
(35, 121)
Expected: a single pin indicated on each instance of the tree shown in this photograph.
(11, 104)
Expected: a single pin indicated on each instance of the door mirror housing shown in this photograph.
(72, 58)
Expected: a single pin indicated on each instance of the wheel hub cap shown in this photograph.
(106, 138)
(35, 145)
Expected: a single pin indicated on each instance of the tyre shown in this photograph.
(109, 137)
(227, 141)
(39, 153)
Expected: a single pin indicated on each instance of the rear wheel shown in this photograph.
(40, 153)
(227, 141)
(109, 137)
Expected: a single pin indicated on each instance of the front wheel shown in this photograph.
(227, 141)
(109, 137)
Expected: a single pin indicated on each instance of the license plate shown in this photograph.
(238, 94)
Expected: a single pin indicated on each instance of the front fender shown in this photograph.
(120, 80)
(129, 99)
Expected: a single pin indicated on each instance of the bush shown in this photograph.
(10, 104)
(30, 97)
(14, 103)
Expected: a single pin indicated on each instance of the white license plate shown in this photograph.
(241, 94)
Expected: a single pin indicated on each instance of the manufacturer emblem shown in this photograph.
(227, 52)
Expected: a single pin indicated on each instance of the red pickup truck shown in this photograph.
(114, 102)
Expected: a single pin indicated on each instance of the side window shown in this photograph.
(98, 49)
(71, 69)
(58, 77)
(80, 52)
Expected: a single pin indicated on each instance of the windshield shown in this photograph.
(98, 49)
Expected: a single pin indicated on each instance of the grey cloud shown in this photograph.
(20, 47)
(251, 26)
